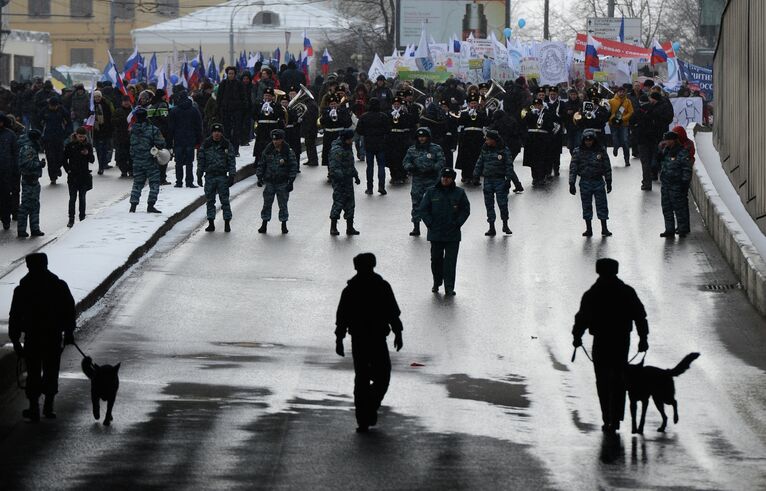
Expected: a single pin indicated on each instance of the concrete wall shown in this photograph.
(740, 81)
(33, 44)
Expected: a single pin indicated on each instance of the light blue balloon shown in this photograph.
(676, 46)
(507, 32)
(522, 23)
(174, 79)
(133, 81)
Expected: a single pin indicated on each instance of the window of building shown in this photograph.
(22, 68)
(168, 8)
(266, 19)
(81, 55)
(39, 8)
(81, 8)
(124, 9)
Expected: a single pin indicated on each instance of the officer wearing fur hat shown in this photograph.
(424, 161)
(43, 310)
(444, 209)
(143, 137)
(539, 123)
(595, 119)
(268, 117)
(404, 119)
(31, 170)
(217, 162)
(343, 175)
(608, 311)
(495, 165)
(277, 170)
(590, 163)
(675, 176)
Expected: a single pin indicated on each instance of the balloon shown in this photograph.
(133, 81)
(174, 79)
(522, 23)
(507, 32)
(676, 45)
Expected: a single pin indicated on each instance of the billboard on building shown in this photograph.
(609, 28)
(445, 18)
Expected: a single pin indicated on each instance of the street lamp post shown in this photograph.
(231, 31)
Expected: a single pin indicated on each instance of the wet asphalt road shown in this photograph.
(229, 377)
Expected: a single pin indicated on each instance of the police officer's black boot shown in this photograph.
(491, 232)
(227, 225)
(48, 407)
(70, 223)
(506, 229)
(588, 229)
(152, 209)
(334, 227)
(133, 207)
(33, 413)
(415, 229)
(262, 230)
(210, 226)
(604, 230)
(350, 230)
(284, 228)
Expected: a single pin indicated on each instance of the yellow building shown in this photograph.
(80, 30)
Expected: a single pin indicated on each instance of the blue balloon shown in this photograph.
(522, 23)
(133, 81)
(174, 79)
(507, 32)
(676, 45)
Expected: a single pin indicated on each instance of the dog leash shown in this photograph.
(636, 356)
(574, 354)
(78, 349)
(20, 368)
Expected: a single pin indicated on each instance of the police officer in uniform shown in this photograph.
(43, 310)
(144, 136)
(217, 162)
(31, 170)
(495, 165)
(591, 163)
(424, 161)
(277, 170)
(343, 176)
(608, 310)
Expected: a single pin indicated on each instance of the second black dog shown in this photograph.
(104, 382)
(644, 382)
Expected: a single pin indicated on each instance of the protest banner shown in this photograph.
(699, 78)
(686, 110)
(552, 63)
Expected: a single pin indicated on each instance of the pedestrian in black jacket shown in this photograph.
(78, 155)
(121, 137)
(644, 134)
(184, 134)
(374, 126)
(56, 125)
(102, 131)
(9, 172)
(368, 312)
(309, 130)
(231, 101)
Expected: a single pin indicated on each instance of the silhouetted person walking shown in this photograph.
(608, 310)
(368, 311)
(43, 310)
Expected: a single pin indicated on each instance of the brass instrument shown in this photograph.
(396, 114)
(334, 115)
(473, 114)
(298, 102)
(526, 111)
(492, 97)
(419, 92)
(279, 93)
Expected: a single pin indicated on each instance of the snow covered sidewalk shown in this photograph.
(731, 226)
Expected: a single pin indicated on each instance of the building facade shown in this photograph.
(25, 54)
(81, 31)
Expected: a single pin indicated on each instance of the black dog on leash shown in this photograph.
(104, 382)
(644, 382)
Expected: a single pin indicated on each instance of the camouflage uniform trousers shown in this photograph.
(30, 206)
(419, 187)
(590, 189)
(280, 191)
(217, 185)
(141, 173)
(675, 207)
(343, 199)
(494, 188)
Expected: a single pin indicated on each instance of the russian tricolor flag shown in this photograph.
(591, 58)
(132, 65)
(658, 54)
(324, 62)
(308, 50)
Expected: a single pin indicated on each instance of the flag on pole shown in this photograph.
(308, 50)
(622, 30)
(132, 65)
(423, 53)
(151, 74)
(277, 57)
(658, 54)
(591, 58)
(114, 76)
(325, 62)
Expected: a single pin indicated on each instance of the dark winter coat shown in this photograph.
(42, 309)
(367, 308)
(9, 152)
(590, 163)
(56, 125)
(375, 127)
(184, 125)
(277, 167)
(230, 97)
(444, 210)
(609, 309)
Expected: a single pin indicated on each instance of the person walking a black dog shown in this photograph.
(44, 311)
(368, 311)
(608, 310)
